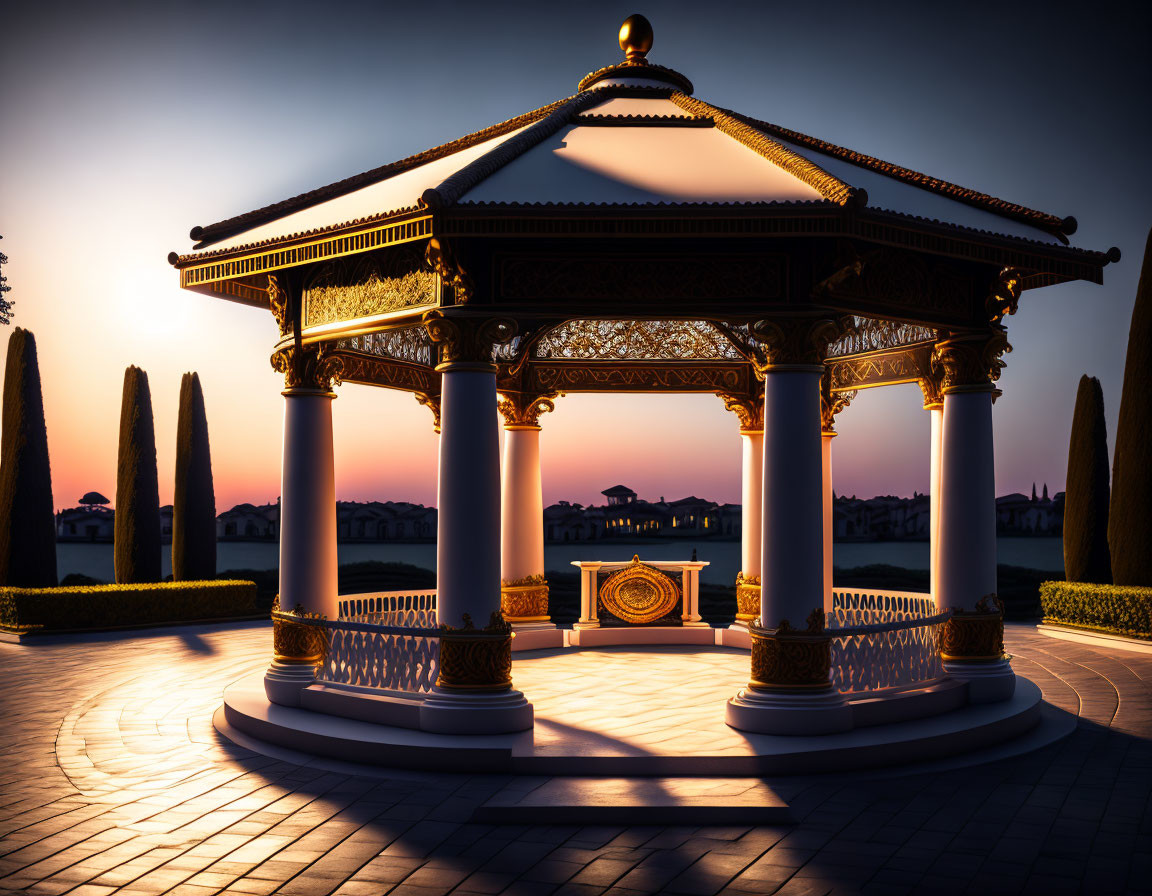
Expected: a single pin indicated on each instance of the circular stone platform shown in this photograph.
(639, 711)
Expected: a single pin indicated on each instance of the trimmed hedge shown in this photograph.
(1118, 609)
(118, 606)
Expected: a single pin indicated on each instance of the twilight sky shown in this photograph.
(122, 127)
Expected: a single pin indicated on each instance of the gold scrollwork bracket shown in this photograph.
(787, 659)
(973, 636)
(279, 300)
(931, 380)
(476, 659)
(1004, 297)
(440, 259)
(432, 402)
(312, 367)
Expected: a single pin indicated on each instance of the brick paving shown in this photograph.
(114, 781)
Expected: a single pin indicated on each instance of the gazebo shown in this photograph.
(633, 237)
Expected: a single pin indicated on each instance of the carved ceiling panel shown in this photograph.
(636, 340)
(869, 334)
(366, 285)
(410, 344)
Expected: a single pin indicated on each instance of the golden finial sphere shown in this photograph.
(636, 38)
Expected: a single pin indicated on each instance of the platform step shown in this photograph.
(662, 801)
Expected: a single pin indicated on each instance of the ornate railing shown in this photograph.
(416, 609)
(883, 639)
(387, 641)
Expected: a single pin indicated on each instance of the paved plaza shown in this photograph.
(115, 781)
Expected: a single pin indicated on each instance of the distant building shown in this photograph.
(89, 523)
(626, 516)
(371, 521)
(619, 494)
(247, 522)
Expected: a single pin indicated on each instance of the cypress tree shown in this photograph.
(137, 546)
(27, 520)
(1086, 494)
(1129, 522)
(194, 504)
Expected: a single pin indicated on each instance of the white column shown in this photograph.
(967, 509)
(468, 537)
(792, 555)
(792, 564)
(967, 543)
(752, 499)
(308, 561)
(469, 700)
(826, 437)
(522, 505)
(937, 412)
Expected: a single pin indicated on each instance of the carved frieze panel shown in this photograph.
(376, 371)
(869, 334)
(411, 344)
(636, 340)
(878, 369)
(904, 282)
(641, 279)
(366, 285)
(648, 377)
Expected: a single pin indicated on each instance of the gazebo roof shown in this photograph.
(632, 137)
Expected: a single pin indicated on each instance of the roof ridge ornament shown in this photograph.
(636, 40)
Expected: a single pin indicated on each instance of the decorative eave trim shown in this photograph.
(213, 233)
(804, 170)
(761, 219)
(639, 68)
(1058, 227)
(449, 190)
(198, 270)
(652, 121)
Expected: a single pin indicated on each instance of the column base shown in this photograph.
(584, 625)
(988, 682)
(822, 711)
(453, 712)
(283, 682)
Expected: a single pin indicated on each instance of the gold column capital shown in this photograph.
(308, 368)
(467, 343)
(748, 408)
(831, 404)
(797, 342)
(970, 363)
(522, 410)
